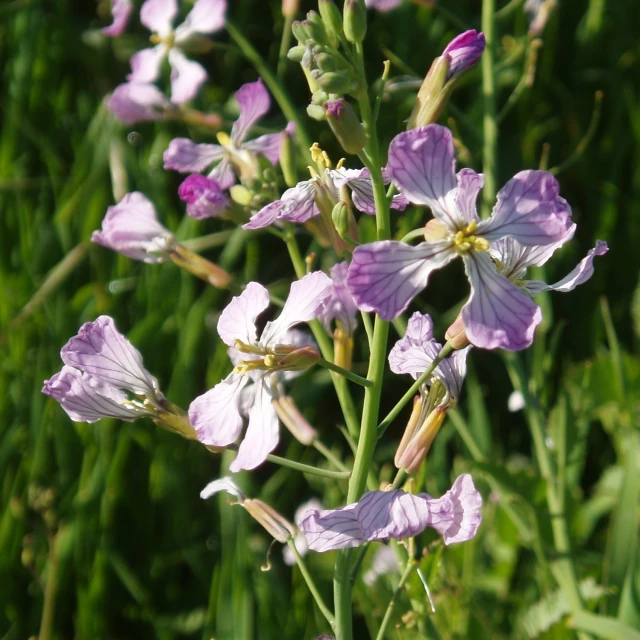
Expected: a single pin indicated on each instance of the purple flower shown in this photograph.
(464, 51)
(133, 102)
(206, 17)
(381, 515)
(121, 11)
(300, 539)
(103, 376)
(131, 227)
(203, 196)
(217, 415)
(233, 156)
(300, 203)
(340, 307)
(385, 276)
(382, 5)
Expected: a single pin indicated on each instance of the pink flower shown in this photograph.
(133, 102)
(121, 11)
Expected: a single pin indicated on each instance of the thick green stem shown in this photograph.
(349, 375)
(490, 122)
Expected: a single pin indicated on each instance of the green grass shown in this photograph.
(108, 518)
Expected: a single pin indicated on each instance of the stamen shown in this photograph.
(223, 138)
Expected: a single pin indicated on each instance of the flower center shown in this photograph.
(464, 240)
(168, 40)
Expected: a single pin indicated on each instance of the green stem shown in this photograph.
(416, 233)
(305, 468)
(490, 124)
(311, 584)
(48, 609)
(363, 382)
(413, 389)
(394, 598)
(335, 461)
(285, 41)
(279, 93)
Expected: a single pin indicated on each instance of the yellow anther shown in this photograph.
(270, 361)
(154, 38)
(459, 237)
(317, 156)
(481, 244)
(327, 160)
(223, 138)
(341, 163)
(470, 228)
(313, 172)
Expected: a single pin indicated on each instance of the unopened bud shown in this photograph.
(316, 112)
(463, 52)
(298, 30)
(340, 217)
(325, 62)
(346, 125)
(291, 417)
(300, 359)
(331, 18)
(319, 97)
(240, 195)
(418, 436)
(355, 21)
(456, 334)
(280, 528)
(295, 53)
(288, 160)
(290, 7)
(334, 82)
(342, 348)
(432, 95)
(315, 29)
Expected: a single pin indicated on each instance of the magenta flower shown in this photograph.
(233, 156)
(340, 307)
(217, 415)
(207, 16)
(385, 276)
(299, 203)
(103, 376)
(133, 102)
(381, 515)
(131, 227)
(121, 11)
(204, 197)
(463, 52)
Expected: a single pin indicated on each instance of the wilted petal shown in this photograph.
(469, 185)
(215, 415)
(238, 320)
(464, 51)
(187, 77)
(530, 209)
(222, 484)
(340, 306)
(262, 433)
(102, 351)
(306, 299)
(498, 315)
(145, 65)
(85, 398)
(207, 16)
(582, 272)
(381, 515)
(385, 276)
(132, 228)
(254, 102)
(186, 156)
(137, 102)
(224, 174)
(158, 15)
(121, 12)
(266, 216)
(414, 353)
(203, 196)
(422, 164)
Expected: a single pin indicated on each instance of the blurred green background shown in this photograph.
(104, 523)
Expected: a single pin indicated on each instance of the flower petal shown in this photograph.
(469, 185)
(133, 102)
(385, 276)
(121, 12)
(145, 65)
(186, 156)
(158, 15)
(340, 306)
(414, 353)
(498, 314)
(579, 275)
(215, 415)
(203, 196)
(224, 174)
(266, 216)
(207, 16)
(300, 202)
(306, 299)
(222, 484)
(238, 320)
(254, 102)
(422, 164)
(263, 431)
(267, 145)
(102, 351)
(530, 209)
(187, 77)
(464, 51)
(85, 398)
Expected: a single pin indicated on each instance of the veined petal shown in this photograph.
(186, 156)
(267, 145)
(530, 209)
(266, 216)
(207, 16)
(414, 353)
(145, 65)
(158, 15)
(469, 185)
(306, 299)
(580, 274)
(300, 202)
(224, 174)
(121, 12)
(238, 320)
(385, 276)
(102, 351)
(262, 433)
(215, 415)
(254, 102)
(498, 315)
(222, 484)
(452, 372)
(187, 77)
(422, 164)
(340, 306)
(85, 398)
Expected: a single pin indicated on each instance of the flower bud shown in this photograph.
(456, 334)
(333, 82)
(203, 196)
(315, 29)
(463, 52)
(331, 17)
(340, 217)
(346, 125)
(295, 53)
(280, 528)
(291, 417)
(319, 97)
(290, 7)
(300, 359)
(298, 30)
(355, 21)
(325, 62)
(316, 112)
(418, 436)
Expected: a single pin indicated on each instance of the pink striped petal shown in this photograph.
(254, 102)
